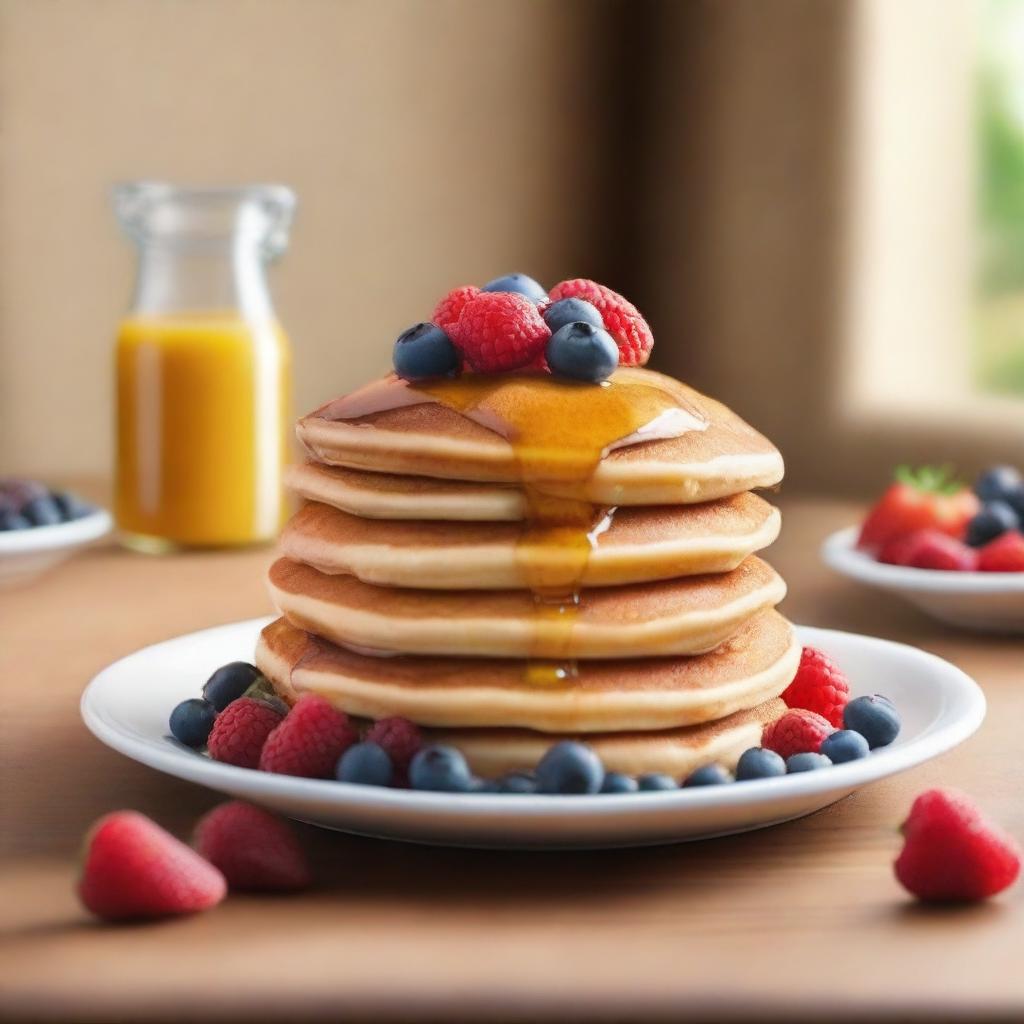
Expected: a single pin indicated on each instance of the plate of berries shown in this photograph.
(956, 552)
(861, 709)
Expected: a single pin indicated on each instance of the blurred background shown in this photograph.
(819, 204)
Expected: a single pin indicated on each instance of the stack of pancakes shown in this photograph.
(509, 561)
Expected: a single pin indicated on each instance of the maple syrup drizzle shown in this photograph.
(559, 432)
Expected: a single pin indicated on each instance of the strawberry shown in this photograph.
(254, 849)
(921, 500)
(1004, 554)
(134, 869)
(935, 550)
(951, 853)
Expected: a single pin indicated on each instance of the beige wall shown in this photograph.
(427, 142)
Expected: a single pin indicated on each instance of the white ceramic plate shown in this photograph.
(128, 703)
(991, 602)
(24, 554)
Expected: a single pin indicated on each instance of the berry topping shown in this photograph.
(366, 764)
(617, 782)
(191, 722)
(999, 483)
(875, 718)
(819, 685)
(240, 731)
(654, 781)
(442, 769)
(500, 331)
(845, 745)
(622, 320)
(571, 311)
(309, 741)
(952, 853)
(758, 763)
(400, 738)
(447, 311)
(133, 869)
(520, 284)
(425, 351)
(796, 732)
(806, 763)
(229, 683)
(571, 768)
(707, 775)
(1005, 554)
(995, 519)
(516, 782)
(252, 848)
(925, 499)
(582, 352)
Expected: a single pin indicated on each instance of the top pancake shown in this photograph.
(432, 439)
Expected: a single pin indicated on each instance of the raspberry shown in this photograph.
(401, 740)
(240, 731)
(499, 331)
(134, 869)
(622, 320)
(1004, 554)
(446, 312)
(309, 741)
(796, 732)
(252, 848)
(820, 686)
(951, 853)
(937, 550)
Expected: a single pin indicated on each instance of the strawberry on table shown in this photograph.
(923, 499)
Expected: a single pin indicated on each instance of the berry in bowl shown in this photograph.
(40, 527)
(956, 552)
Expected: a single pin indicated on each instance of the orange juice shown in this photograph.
(202, 421)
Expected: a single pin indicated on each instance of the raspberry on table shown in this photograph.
(796, 732)
(309, 740)
(499, 331)
(240, 731)
(819, 685)
(622, 320)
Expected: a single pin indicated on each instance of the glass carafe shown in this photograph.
(203, 368)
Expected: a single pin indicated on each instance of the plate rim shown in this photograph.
(839, 552)
(192, 767)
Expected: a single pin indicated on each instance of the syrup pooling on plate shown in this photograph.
(559, 432)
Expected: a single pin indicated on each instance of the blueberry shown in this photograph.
(520, 283)
(71, 506)
(1015, 499)
(424, 350)
(583, 352)
(758, 763)
(707, 775)
(442, 769)
(572, 311)
(570, 767)
(229, 683)
(517, 782)
(844, 745)
(365, 763)
(874, 717)
(997, 483)
(654, 781)
(13, 521)
(42, 511)
(806, 763)
(191, 722)
(992, 521)
(618, 782)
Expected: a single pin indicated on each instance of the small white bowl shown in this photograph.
(990, 602)
(24, 554)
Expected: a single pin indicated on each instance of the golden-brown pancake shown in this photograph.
(755, 664)
(688, 615)
(638, 545)
(676, 752)
(434, 440)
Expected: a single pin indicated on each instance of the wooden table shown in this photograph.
(799, 922)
